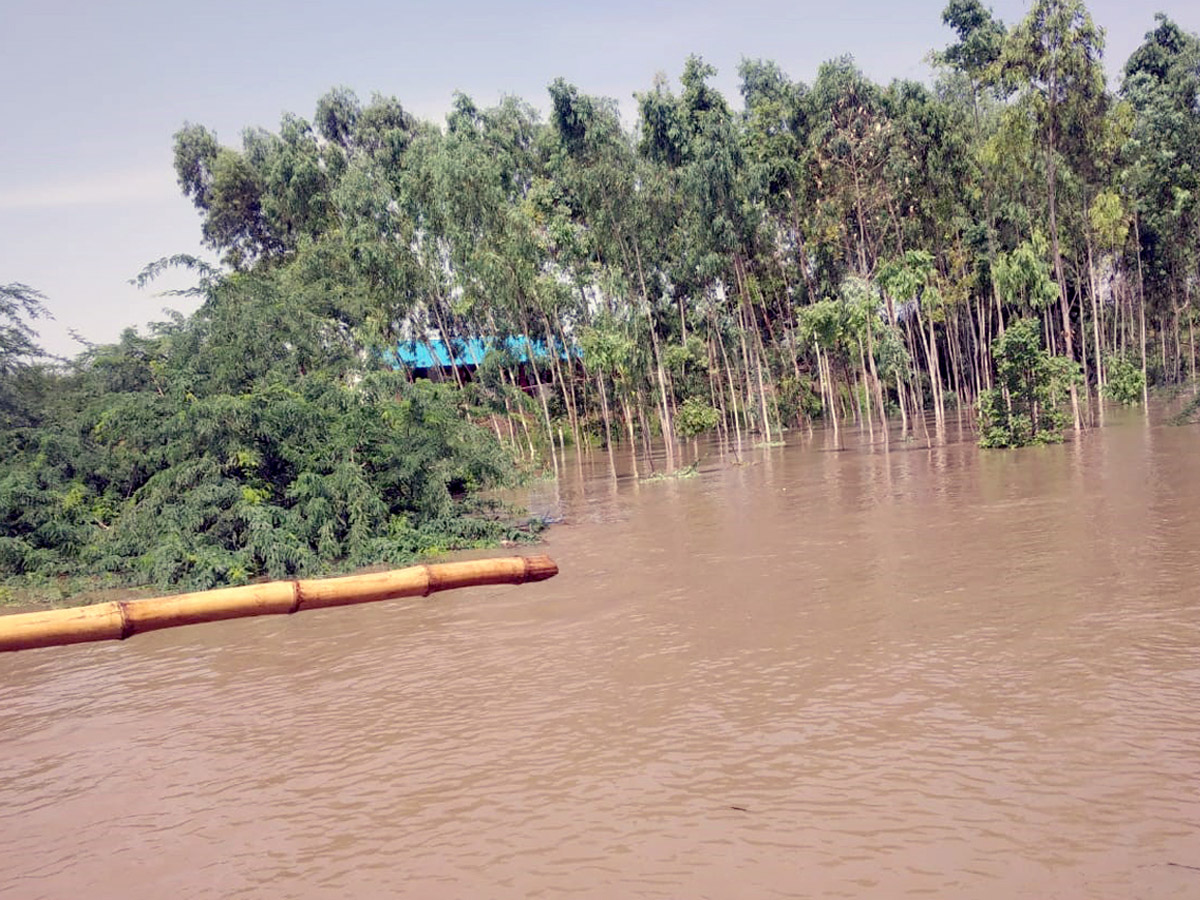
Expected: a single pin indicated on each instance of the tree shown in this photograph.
(1162, 176)
(252, 438)
(980, 39)
(851, 151)
(1054, 57)
(1025, 407)
(19, 352)
(19, 305)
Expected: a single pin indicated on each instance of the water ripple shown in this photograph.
(847, 675)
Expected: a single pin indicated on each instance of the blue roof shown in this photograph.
(416, 354)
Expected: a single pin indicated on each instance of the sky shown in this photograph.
(93, 93)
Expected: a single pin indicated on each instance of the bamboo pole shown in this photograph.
(120, 619)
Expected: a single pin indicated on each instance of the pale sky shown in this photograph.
(94, 92)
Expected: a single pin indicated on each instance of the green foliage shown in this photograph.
(250, 440)
(1026, 406)
(1109, 219)
(695, 417)
(20, 355)
(906, 278)
(980, 37)
(1125, 383)
(893, 356)
(1054, 53)
(1023, 275)
(1162, 170)
(798, 400)
(19, 304)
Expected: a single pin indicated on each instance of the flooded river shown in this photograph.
(884, 672)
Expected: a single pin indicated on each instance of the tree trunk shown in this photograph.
(1097, 324)
(1141, 310)
(668, 426)
(865, 381)
(1052, 188)
(875, 380)
(604, 410)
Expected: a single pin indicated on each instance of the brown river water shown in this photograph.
(892, 671)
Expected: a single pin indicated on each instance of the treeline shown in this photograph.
(840, 249)
(1019, 238)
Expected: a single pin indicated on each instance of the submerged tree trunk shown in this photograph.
(604, 410)
(1097, 325)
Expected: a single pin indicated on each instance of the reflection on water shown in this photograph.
(891, 671)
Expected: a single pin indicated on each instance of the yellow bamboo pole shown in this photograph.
(120, 619)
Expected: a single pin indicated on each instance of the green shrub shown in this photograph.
(1124, 383)
(226, 448)
(695, 417)
(1026, 405)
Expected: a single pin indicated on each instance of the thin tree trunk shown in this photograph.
(660, 372)
(437, 312)
(604, 410)
(1052, 189)
(1097, 323)
(1137, 234)
(733, 397)
(866, 388)
(875, 380)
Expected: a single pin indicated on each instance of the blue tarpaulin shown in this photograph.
(416, 354)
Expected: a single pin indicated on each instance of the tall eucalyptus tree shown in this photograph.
(1053, 57)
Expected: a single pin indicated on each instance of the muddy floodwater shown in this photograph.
(883, 672)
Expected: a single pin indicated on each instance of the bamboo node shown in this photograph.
(126, 622)
(297, 597)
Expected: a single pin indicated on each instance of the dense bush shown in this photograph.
(251, 439)
(1125, 383)
(695, 417)
(1026, 406)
